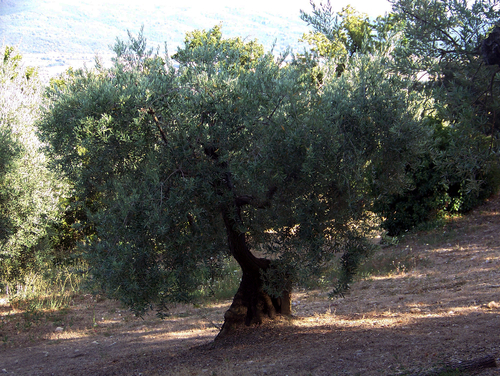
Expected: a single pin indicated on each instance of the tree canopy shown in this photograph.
(236, 153)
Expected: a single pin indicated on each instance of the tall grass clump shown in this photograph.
(52, 290)
(220, 280)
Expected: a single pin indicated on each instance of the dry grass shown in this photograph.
(439, 302)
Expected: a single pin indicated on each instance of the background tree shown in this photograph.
(337, 36)
(29, 192)
(442, 55)
(208, 48)
(9, 150)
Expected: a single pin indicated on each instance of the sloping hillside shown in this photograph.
(437, 307)
(90, 26)
(54, 35)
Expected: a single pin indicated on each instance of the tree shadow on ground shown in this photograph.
(277, 348)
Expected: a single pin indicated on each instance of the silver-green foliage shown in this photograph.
(160, 155)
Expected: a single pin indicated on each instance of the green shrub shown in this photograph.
(456, 174)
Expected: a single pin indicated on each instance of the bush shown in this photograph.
(456, 174)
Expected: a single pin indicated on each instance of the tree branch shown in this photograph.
(467, 366)
(151, 111)
(490, 87)
(445, 33)
(276, 108)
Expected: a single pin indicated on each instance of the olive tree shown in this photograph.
(234, 153)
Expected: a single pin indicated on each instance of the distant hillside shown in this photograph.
(90, 26)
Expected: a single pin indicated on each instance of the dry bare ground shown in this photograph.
(440, 305)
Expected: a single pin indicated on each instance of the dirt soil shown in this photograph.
(439, 305)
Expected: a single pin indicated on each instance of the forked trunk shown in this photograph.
(251, 304)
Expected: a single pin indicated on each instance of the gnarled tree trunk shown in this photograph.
(251, 304)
